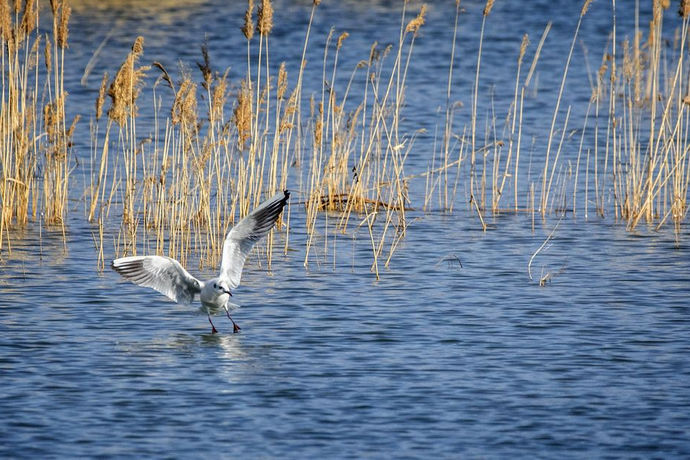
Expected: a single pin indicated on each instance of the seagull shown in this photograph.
(168, 277)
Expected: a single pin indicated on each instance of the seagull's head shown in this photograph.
(221, 289)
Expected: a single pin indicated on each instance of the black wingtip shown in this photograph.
(287, 194)
(113, 266)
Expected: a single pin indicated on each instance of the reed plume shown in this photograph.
(126, 86)
(205, 67)
(219, 97)
(414, 24)
(265, 18)
(585, 7)
(523, 47)
(6, 29)
(101, 96)
(63, 30)
(47, 56)
(28, 21)
(248, 27)
(242, 114)
(341, 39)
(487, 8)
(282, 81)
(684, 9)
(184, 108)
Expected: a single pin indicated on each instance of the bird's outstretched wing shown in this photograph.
(240, 240)
(163, 274)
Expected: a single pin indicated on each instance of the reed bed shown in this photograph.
(358, 157)
(216, 148)
(35, 150)
(180, 189)
(208, 164)
(214, 154)
(629, 153)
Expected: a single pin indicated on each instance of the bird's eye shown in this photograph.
(214, 286)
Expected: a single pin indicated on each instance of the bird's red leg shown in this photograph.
(235, 327)
(213, 328)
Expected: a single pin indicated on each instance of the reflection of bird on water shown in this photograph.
(168, 277)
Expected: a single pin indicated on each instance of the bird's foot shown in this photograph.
(235, 327)
(213, 328)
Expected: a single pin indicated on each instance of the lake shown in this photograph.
(457, 351)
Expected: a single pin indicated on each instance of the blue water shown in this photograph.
(454, 353)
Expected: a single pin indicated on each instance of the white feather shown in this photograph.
(168, 277)
(163, 274)
(241, 239)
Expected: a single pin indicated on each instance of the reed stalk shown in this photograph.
(448, 125)
(513, 117)
(473, 160)
(180, 190)
(544, 189)
(34, 136)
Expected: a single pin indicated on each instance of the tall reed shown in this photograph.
(218, 147)
(35, 135)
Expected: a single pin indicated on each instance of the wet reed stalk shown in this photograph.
(544, 189)
(514, 116)
(473, 160)
(525, 85)
(448, 125)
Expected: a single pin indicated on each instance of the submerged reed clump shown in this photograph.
(358, 154)
(19, 158)
(641, 170)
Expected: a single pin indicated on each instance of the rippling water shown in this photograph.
(454, 353)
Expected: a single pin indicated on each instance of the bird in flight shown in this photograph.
(168, 277)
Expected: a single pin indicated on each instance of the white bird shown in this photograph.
(168, 277)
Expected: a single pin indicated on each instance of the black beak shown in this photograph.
(227, 291)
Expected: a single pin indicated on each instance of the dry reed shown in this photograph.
(224, 146)
(35, 137)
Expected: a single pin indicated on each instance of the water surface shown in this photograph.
(455, 352)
